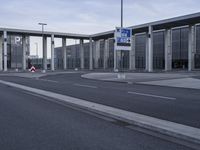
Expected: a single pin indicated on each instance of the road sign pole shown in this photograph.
(122, 61)
(122, 9)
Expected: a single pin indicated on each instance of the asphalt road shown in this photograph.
(172, 104)
(29, 122)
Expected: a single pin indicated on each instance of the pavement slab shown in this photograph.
(191, 83)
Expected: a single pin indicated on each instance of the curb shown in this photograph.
(82, 76)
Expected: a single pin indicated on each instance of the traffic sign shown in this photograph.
(123, 38)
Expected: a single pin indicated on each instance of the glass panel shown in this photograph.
(140, 51)
(158, 50)
(180, 48)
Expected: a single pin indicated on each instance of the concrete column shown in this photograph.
(5, 50)
(91, 55)
(64, 41)
(24, 49)
(132, 55)
(168, 50)
(82, 54)
(44, 53)
(191, 46)
(97, 54)
(1, 53)
(149, 61)
(115, 60)
(52, 52)
(106, 54)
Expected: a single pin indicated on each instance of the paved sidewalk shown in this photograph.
(136, 77)
(35, 74)
(191, 83)
(181, 80)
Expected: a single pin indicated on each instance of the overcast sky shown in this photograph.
(88, 16)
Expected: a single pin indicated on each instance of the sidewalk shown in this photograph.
(180, 80)
(37, 74)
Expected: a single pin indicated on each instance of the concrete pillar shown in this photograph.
(1, 53)
(115, 60)
(82, 54)
(149, 50)
(168, 50)
(191, 46)
(97, 54)
(106, 54)
(52, 52)
(147, 53)
(64, 41)
(5, 50)
(132, 55)
(91, 55)
(44, 53)
(24, 49)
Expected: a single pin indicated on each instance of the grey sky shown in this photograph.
(89, 16)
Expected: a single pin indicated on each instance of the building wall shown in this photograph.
(179, 49)
(14, 51)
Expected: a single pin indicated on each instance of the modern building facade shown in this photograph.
(171, 44)
(14, 51)
(173, 49)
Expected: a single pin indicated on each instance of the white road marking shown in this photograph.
(87, 86)
(151, 95)
(47, 80)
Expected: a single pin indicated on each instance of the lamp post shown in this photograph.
(122, 18)
(43, 24)
(122, 14)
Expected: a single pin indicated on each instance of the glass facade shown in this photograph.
(123, 57)
(14, 51)
(111, 54)
(86, 55)
(59, 58)
(101, 59)
(198, 39)
(73, 57)
(197, 55)
(140, 51)
(179, 45)
(180, 48)
(158, 50)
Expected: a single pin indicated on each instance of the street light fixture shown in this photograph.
(43, 24)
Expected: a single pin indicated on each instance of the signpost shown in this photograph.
(123, 39)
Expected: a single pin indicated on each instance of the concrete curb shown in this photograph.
(185, 133)
(84, 77)
(36, 74)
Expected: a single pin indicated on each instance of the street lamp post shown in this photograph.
(122, 20)
(122, 14)
(43, 24)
